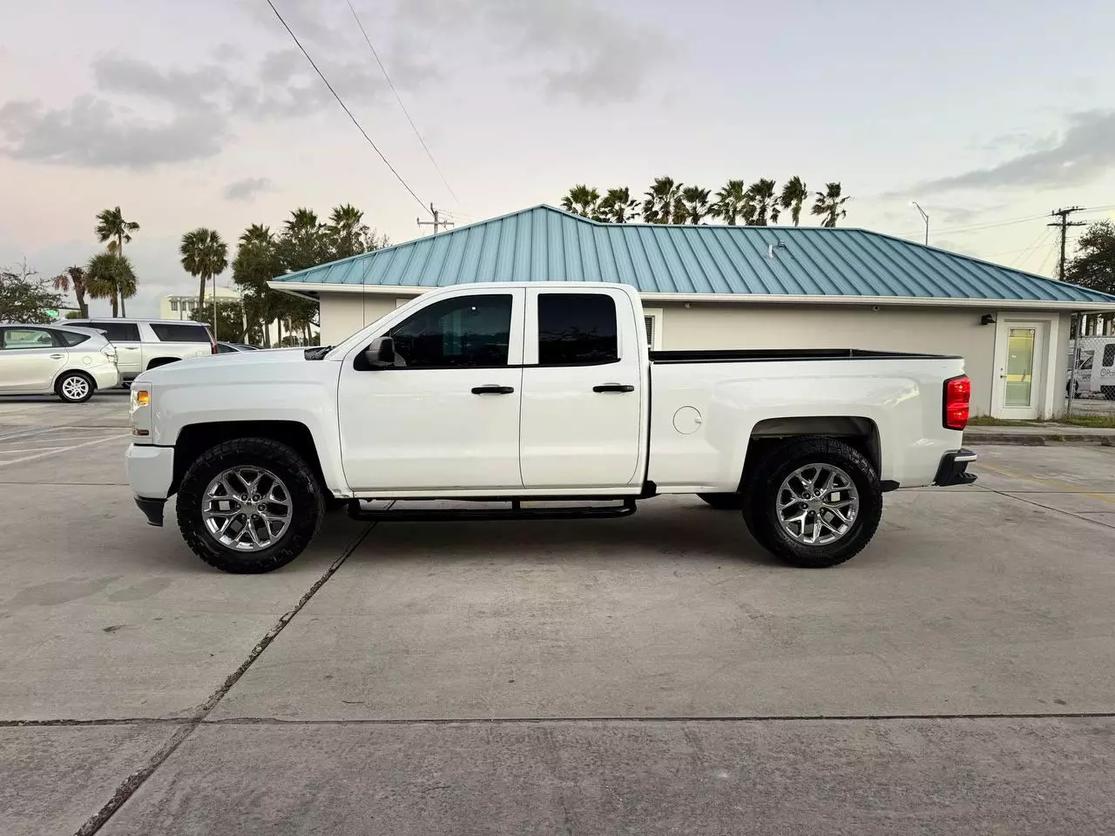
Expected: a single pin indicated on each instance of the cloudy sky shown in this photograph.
(204, 113)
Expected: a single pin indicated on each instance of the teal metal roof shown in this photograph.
(547, 244)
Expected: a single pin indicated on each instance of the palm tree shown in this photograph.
(663, 200)
(618, 207)
(830, 205)
(347, 230)
(794, 194)
(74, 277)
(113, 229)
(204, 255)
(693, 206)
(582, 200)
(110, 276)
(760, 195)
(732, 203)
(257, 234)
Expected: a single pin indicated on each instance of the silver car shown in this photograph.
(70, 362)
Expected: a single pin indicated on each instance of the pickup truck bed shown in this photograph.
(539, 392)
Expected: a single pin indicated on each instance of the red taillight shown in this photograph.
(958, 393)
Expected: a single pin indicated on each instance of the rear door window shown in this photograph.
(576, 329)
(118, 332)
(71, 337)
(169, 332)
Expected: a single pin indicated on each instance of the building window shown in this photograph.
(652, 318)
(174, 304)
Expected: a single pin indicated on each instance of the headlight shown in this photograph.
(140, 411)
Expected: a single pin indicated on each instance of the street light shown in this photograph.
(924, 217)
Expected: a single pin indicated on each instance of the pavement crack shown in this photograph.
(133, 782)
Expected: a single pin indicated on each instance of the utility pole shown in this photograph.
(435, 223)
(1064, 223)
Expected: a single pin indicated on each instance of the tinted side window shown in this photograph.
(576, 328)
(469, 331)
(71, 337)
(174, 333)
(27, 338)
(118, 332)
(1109, 355)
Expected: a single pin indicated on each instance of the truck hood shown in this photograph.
(219, 367)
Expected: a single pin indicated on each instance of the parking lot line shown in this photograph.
(54, 450)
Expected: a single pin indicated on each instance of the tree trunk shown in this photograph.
(279, 331)
(123, 307)
(114, 303)
(201, 295)
(82, 307)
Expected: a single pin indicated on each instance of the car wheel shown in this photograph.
(723, 501)
(813, 502)
(249, 505)
(74, 387)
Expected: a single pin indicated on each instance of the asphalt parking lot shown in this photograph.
(655, 674)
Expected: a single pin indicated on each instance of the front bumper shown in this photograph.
(953, 469)
(150, 470)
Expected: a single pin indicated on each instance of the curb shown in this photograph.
(1039, 439)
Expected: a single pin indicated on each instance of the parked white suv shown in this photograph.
(143, 344)
(70, 362)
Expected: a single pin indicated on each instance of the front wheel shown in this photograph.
(814, 502)
(249, 505)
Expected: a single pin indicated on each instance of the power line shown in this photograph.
(344, 107)
(402, 106)
(975, 227)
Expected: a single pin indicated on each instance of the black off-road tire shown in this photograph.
(761, 500)
(723, 501)
(59, 389)
(307, 503)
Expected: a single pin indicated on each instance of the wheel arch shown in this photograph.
(195, 439)
(860, 432)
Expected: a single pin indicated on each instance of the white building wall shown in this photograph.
(935, 330)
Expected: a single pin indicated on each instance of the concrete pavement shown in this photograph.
(653, 674)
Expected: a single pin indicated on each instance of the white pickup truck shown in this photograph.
(534, 394)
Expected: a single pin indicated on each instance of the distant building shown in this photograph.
(749, 287)
(183, 307)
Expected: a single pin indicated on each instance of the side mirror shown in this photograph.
(381, 353)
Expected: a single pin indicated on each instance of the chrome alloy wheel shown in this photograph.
(246, 508)
(817, 504)
(75, 387)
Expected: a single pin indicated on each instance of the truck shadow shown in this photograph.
(682, 528)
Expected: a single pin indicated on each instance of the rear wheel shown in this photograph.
(249, 505)
(813, 502)
(74, 387)
(723, 501)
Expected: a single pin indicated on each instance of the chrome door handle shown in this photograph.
(613, 387)
(492, 389)
(57, 356)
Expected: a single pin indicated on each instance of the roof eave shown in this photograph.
(311, 289)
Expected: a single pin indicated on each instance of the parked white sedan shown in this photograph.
(43, 359)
